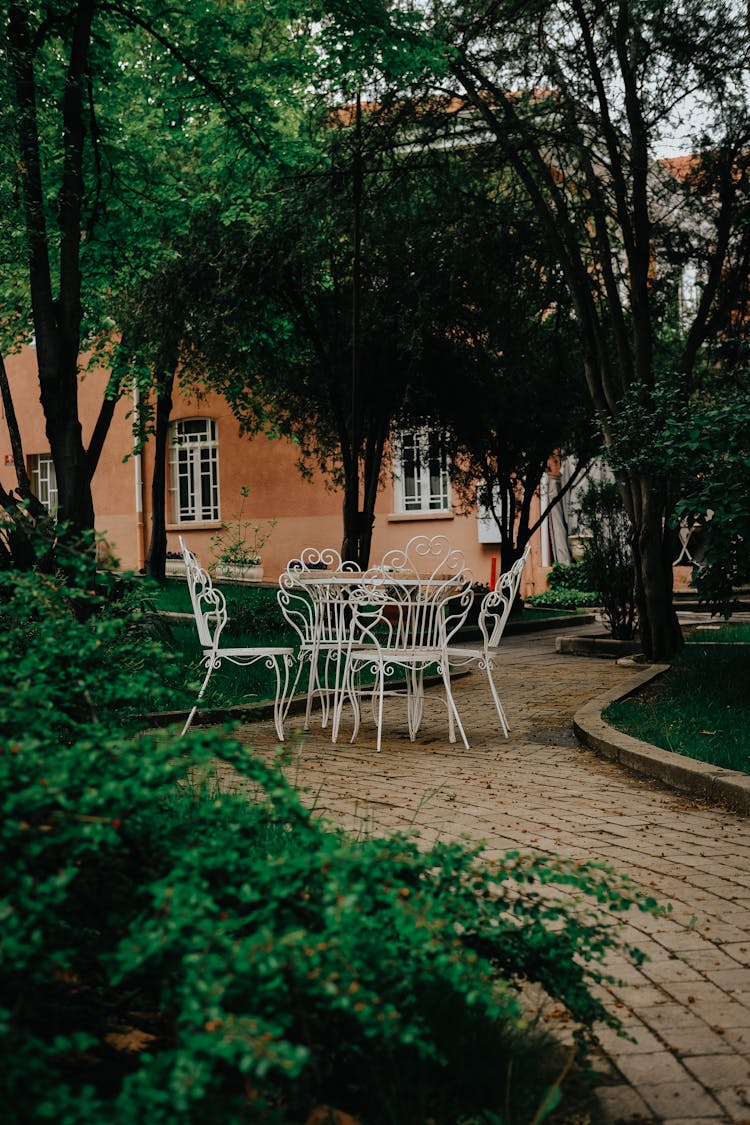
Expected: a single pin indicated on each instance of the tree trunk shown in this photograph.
(156, 561)
(660, 631)
(56, 322)
(59, 399)
(359, 522)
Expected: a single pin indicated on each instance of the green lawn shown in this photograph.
(726, 633)
(700, 708)
(254, 620)
(255, 600)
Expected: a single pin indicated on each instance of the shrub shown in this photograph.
(608, 557)
(570, 576)
(75, 657)
(563, 599)
(604, 577)
(176, 952)
(253, 959)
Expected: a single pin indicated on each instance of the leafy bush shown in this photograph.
(179, 953)
(708, 441)
(75, 657)
(605, 575)
(570, 576)
(563, 599)
(608, 557)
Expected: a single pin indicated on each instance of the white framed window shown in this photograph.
(44, 480)
(420, 471)
(194, 470)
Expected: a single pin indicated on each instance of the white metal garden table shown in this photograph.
(399, 616)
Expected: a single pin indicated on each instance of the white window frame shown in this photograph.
(44, 480)
(417, 489)
(194, 471)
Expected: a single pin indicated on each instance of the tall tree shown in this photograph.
(322, 314)
(115, 120)
(363, 298)
(580, 96)
(517, 394)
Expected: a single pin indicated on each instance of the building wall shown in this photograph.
(114, 492)
(307, 512)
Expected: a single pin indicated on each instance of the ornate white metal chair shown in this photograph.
(210, 610)
(493, 617)
(424, 593)
(314, 598)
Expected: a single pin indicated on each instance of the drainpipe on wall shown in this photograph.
(138, 468)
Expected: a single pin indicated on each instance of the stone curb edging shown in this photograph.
(700, 779)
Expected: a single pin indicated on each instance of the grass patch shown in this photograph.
(230, 685)
(730, 633)
(254, 620)
(700, 708)
(542, 613)
(174, 597)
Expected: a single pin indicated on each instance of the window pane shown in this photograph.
(422, 471)
(438, 469)
(44, 480)
(410, 472)
(195, 470)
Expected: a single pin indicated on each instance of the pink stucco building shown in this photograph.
(210, 462)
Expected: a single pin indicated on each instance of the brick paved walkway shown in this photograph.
(689, 1005)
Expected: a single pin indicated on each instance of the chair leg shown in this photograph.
(278, 706)
(343, 686)
(334, 686)
(381, 690)
(311, 687)
(289, 696)
(212, 663)
(498, 704)
(452, 709)
(354, 696)
(351, 688)
(414, 700)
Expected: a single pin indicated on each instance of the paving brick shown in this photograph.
(651, 1068)
(730, 980)
(642, 1042)
(720, 1071)
(736, 1101)
(684, 1100)
(709, 958)
(622, 1105)
(671, 969)
(737, 1037)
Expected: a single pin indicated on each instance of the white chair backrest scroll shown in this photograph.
(209, 604)
(497, 604)
(309, 595)
(429, 587)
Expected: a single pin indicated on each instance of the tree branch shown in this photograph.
(24, 484)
